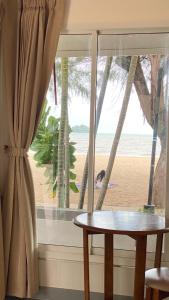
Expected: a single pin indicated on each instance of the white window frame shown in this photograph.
(94, 55)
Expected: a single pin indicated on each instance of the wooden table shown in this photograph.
(134, 224)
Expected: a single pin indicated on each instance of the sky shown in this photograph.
(135, 122)
(79, 111)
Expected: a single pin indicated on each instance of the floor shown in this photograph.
(61, 294)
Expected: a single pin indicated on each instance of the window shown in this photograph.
(132, 124)
(129, 135)
(58, 153)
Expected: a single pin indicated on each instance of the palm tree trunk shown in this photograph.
(156, 86)
(61, 146)
(159, 183)
(67, 160)
(129, 84)
(159, 175)
(140, 85)
(98, 114)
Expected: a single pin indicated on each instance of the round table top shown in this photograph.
(122, 222)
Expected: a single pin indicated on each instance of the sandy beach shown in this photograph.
(129, 180)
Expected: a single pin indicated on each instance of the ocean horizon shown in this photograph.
(129, 145)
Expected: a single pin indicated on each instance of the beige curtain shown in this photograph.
(2, 282)
(30, 36)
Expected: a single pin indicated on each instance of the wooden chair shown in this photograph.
(157, 283)
(157, 279)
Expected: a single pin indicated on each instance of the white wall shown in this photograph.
(62, 267)
(113, 14)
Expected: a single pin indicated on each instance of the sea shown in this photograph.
(129, 145)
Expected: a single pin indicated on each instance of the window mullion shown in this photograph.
(91, 156)
(166, 245)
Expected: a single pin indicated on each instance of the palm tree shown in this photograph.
(156, 85)
(67, 160)
(72, 78)
(104, 83)
(112, 156)
(61, 146)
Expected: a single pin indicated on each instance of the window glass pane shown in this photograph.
(131, 114)
(59, 150)
(131, 122)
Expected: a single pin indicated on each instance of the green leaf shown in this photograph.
(73, 187)
(72, 175)
(45, 147)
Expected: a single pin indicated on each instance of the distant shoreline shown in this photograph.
(117, 155)
(111, 133)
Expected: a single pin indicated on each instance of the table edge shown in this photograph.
(116, 231)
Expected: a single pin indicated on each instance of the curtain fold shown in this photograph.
(2, 281)
(29, 46)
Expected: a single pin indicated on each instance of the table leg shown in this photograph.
(86, 265)
(108, 267)
(159, 245)
(141, 245)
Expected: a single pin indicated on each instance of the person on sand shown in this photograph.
(99, 178)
